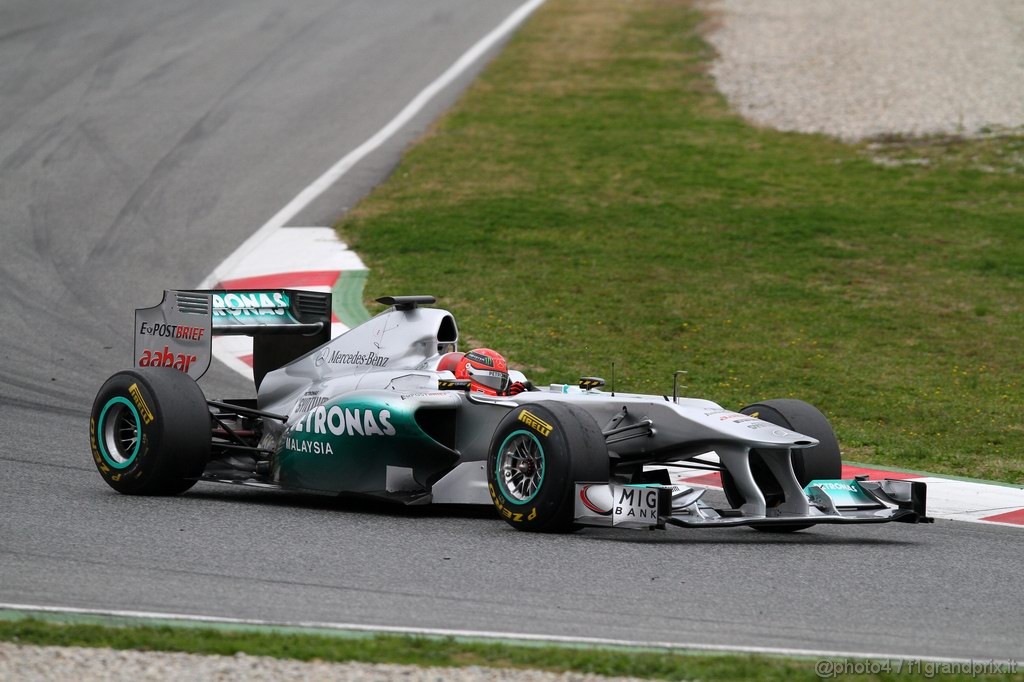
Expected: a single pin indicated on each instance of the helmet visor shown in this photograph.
(490, 378)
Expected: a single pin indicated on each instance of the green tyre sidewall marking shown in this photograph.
(101, 431)
(497, 467)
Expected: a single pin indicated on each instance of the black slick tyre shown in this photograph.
(149, 431)
(538, 453)
(823, 461)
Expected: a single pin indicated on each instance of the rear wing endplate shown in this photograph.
(284, 323)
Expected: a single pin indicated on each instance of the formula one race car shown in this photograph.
(372, 413)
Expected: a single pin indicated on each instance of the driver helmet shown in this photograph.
(449, 361)
(486, 370)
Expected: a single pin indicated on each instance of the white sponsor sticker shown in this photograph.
(635, 506)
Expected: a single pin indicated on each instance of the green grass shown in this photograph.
(592, 199)
(435, 652)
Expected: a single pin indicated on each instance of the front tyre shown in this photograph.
(538, 453)
(150, 431)
(823, 461)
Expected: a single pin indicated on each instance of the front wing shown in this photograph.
(828, 501)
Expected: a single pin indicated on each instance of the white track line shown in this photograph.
(335, 172)
(485, 634)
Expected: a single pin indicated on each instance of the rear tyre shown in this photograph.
(150, 431)
(538, 453)
(822, 461)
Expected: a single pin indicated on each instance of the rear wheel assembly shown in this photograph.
(150, 431)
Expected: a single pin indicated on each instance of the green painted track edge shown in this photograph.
(347, 296)
(112, 620)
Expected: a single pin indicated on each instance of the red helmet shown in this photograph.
(449, 361)
(486, 370)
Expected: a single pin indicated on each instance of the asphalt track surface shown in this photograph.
(140, 143)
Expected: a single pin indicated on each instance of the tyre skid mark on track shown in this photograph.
(116, 565)
(261, 256)
(42, 463)
(333, 174)
(34, 406)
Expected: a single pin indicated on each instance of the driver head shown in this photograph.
(486, 370)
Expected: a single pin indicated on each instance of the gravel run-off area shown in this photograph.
(75, 664)
(854, 69)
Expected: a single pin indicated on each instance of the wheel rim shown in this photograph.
(520, 467)
(120, 430)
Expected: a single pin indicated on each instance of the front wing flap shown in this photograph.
(829, 501)
(623, 505)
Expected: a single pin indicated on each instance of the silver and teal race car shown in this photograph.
(370, 413)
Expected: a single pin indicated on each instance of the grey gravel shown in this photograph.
(862, 68)
(78, 664)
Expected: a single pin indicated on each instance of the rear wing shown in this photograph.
(284, 323)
